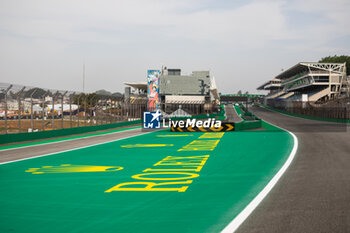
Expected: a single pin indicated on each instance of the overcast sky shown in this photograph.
(243, 43)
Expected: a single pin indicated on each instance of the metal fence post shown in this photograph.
(85, 110)
(6, 107)
(53, 109)
(91, 111)
(70, 109)
(79, 108)
(62, 96)
(110, 110)
(31, 109)
(43, 110)
(19, 108)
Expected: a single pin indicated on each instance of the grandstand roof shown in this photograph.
(140, 85)
(304, 66)
(262, 87)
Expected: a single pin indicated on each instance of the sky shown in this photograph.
(243, 43)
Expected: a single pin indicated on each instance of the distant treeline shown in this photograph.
(338, 59)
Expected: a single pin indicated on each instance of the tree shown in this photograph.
(103, 92)
(338, 59)
(38, 93)
(239, 92)
(117, 94)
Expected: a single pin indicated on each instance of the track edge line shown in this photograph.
(244, 214)
(58, 152)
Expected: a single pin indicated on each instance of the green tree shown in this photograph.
(37, 94)
(338, 59)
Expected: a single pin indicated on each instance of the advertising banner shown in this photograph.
(153, 89)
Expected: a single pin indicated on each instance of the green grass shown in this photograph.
(236, 171)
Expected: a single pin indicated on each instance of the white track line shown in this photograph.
(58, 152)
(237, 113)
(243, 215)
(64, 140)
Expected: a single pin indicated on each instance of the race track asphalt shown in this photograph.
(231, 114)
(43, 149)
(314, 193)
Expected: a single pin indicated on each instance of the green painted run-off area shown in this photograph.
(233, 173)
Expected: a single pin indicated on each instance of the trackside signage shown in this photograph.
(151, 120)
(193, 123)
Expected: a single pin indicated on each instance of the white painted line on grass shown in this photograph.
(243, 215)
(58, 152)
(237, 114)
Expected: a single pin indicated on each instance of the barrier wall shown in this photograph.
(21, 137)
(245, 125)
(308, 117)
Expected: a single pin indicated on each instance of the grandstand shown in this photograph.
(309, 81)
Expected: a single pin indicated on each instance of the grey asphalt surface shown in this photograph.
(231, 114)
(32, 151)
(314, 193)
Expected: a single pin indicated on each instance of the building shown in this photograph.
(194, 93)
(309, 82)
(189, 92)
